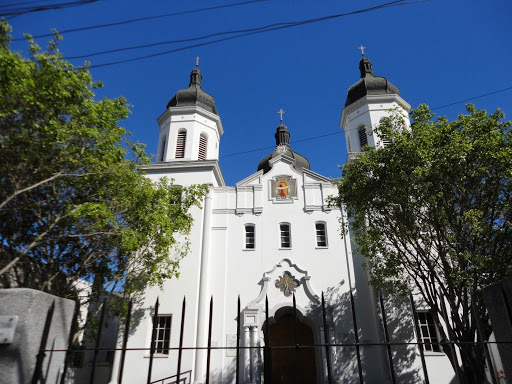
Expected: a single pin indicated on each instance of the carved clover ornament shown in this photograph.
(287, 283)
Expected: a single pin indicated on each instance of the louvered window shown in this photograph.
(385, 142)
(202, 147)
(180, 144)
(363, 137)
(162, 148)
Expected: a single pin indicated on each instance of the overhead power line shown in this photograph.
(17, 11)
(471, 98)
(258, 30)
(353, 129)
(65, 31)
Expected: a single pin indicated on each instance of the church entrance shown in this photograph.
(289, 366)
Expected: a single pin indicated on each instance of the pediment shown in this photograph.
(254, 179)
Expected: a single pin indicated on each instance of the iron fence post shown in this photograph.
(70, 343)
(386, 338)
(296, 336)
(481, 336)
(125, 341)
(418, 337)
(209, 343)
(326, 340)
(38, 371)
(237, 373)
(180, 347)
(153, 337)
(450, 336)
(98, 340)
(356, 336)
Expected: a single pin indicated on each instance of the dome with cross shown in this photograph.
(369, 84)
(194, 95)
(282, 136)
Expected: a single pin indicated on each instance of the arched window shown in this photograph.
(250, 236)
(203, 141)
(321, 234)
(180, 144)
(285, 235)
(162, 148)
(363, 137)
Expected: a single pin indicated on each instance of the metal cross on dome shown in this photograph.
(281, 112)
(197, 61)
(362, 49)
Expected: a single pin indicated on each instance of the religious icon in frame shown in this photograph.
(283, 188)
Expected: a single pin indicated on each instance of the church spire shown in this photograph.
(282, 135)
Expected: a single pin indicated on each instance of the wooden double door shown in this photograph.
(289, 366)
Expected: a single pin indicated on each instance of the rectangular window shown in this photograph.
(249, 237)
(321, 238)
(163, 334)
(285, 235)
(428, 332)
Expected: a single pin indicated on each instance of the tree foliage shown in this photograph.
(74, 203)
(432, 212)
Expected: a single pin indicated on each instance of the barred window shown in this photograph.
(428, 332)
(163, 334)
(203, 141)
(249, 236)
(321, 235)
(285, 235)
(180, 144)
(363, 137)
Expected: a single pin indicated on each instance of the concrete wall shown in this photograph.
(18, 360)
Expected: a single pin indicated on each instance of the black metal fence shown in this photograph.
(267, 348)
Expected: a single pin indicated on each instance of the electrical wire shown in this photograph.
(24, 10)
(66, 31)
(256, 31)
(353, 129)
(471, 98)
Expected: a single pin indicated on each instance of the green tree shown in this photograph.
(432, 212)
(74, 203)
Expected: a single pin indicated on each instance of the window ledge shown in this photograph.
(326, 247)
(285, 249)
(249, 249)
(157, 356)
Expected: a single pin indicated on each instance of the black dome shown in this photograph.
(369, 84)
(283, 148)
(193, 95)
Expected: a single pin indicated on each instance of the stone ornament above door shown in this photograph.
(274, 285)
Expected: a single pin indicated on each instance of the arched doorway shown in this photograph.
(287, 365)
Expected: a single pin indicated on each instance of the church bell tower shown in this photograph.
(368, 101)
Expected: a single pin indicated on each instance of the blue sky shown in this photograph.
(436, 52)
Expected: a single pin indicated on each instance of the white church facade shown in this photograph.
(272, 235)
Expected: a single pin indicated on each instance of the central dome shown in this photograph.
(369, 84)
(283, 148)
(194, 95)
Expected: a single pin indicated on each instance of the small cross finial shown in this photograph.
(362, 49)
(281, 112)
(197, 61)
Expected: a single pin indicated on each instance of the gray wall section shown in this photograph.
(18, 360)
(495, 296)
